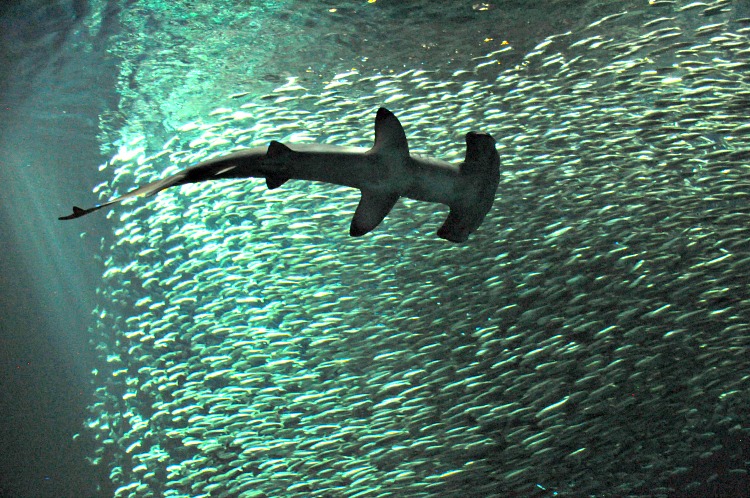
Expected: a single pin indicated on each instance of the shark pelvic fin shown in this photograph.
(389, 134)
(275, 181)
(276, 149)
(372, 208)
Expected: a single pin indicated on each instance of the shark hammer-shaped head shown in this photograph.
(480, 175)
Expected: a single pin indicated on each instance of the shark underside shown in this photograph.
(383, 174)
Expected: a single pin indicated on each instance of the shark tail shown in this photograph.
(149, 189)
(221, 168)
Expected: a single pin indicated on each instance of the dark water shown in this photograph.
(50, 99)
(589, 340)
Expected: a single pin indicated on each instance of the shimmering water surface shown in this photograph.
(590, 339)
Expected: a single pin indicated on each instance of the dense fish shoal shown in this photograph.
(590, 339)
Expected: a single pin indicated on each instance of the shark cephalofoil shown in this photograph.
(383, 174)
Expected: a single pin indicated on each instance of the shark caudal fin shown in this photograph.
(149, 189)
(392, 150)
(481, 170)
(78, 212)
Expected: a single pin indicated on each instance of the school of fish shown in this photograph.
(589, 340)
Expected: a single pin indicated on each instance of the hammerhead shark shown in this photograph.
(383, 174)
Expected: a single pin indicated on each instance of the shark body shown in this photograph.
(383, 174)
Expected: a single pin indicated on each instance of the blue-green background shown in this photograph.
(76, 76)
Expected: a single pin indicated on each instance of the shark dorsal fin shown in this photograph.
(389, 134)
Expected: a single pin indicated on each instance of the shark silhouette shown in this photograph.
(383, 174)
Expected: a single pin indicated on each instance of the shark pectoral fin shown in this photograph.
(372, 208)
(277, 149)
(389, 134)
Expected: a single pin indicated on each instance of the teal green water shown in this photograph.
(588, 340)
